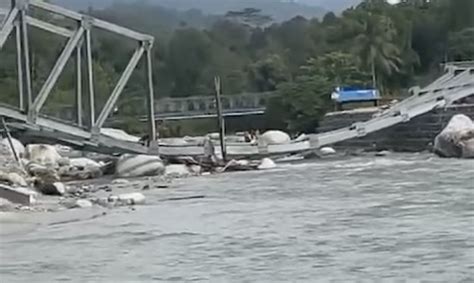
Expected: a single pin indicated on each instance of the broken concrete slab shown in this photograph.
(21, 196)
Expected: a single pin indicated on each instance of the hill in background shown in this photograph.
(279, 10)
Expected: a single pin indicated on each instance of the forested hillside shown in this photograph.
(279, 10)
(375, 43)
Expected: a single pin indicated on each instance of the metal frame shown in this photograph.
(78, 40)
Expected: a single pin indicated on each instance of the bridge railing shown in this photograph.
(205, 104)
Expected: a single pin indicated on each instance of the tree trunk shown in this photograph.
(374, 78)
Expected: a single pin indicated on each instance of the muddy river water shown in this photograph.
(401, 217)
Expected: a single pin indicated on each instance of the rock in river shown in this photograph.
(43, 154)
(131, 165)
(80, 203)
(132, 198)
(457, 139)
(266, 163)
(51, 189)
(177, 171)
(327, 151)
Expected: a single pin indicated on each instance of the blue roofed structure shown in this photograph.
(354, 94)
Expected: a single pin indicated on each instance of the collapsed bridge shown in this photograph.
(456, 83)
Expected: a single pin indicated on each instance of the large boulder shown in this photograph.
(46, 174)
(131, 165)
(43, 154)
(457, 139)
(274, 137)
(17, 146)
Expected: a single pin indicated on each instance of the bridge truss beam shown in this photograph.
(79, 39)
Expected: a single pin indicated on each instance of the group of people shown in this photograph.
(252, 135)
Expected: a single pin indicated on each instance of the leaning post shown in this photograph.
(152, 133)
(220, 118)
(79, 84)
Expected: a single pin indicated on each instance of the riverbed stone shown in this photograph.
(80, 203)
(52, 189)
(325, 151)
(6, 205)
(122, 182)
(132, 198)
(46, 174)
(266, 164)
(177, 171)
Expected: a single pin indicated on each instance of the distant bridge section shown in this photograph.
(196, 107)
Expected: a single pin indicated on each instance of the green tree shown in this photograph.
(375, 46)
(189, 54)
(300, 105)
(461, 45)
(341, 69)
(268, 72)
(250, 17)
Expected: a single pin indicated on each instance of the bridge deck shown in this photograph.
(454, 87)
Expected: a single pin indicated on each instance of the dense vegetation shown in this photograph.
(280, 10)
(391, 47)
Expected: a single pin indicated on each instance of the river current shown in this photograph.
(401, 217)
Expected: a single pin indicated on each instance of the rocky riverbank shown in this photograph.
(42, 177)
(53, 178)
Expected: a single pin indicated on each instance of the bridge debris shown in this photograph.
(21, 196)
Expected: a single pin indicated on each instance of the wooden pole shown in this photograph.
(220, 117)
(9, 137)
(153, 141)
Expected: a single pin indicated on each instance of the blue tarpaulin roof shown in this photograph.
(348, 94)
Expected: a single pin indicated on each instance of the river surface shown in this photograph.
(402, 217)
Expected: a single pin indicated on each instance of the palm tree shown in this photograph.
(374, 45)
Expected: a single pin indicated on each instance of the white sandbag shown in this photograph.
(274, 137)
(130, 165)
